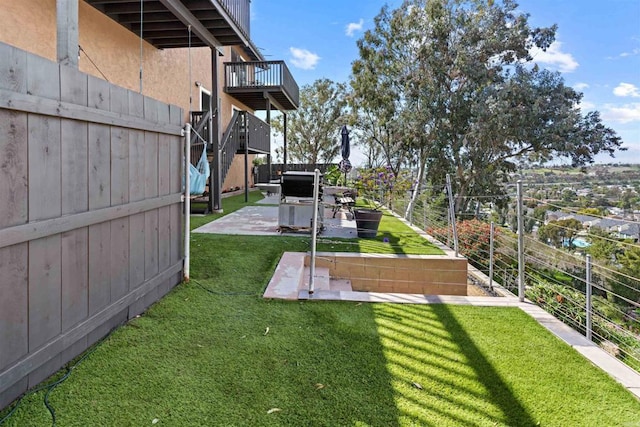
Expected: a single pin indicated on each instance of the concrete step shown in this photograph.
(287, 278)
(340, 285)
(321, 282)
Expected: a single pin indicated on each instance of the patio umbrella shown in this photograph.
(345, 149)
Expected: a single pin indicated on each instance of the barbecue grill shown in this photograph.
(295, 211)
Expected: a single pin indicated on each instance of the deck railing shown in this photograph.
(242, 127)
(239, 10)
(260, 75)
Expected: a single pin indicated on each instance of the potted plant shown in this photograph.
(376, 186)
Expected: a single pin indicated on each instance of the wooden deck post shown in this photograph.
(67, 32)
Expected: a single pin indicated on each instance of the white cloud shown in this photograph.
(555, 58)
(626, 89)
(580, 86)
(634, 52)
(587, 106)
(304, 59)
(622, 113)
(352, 27)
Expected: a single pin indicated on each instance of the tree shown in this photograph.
(455, 75)
(560, 232)
(313, 131)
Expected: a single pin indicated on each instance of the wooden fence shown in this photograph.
(90, 212)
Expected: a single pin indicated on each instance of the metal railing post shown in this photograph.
(491, 247)
(187, 200)
(588, 292)
(520, 244)
(452, 215)
(314, 230)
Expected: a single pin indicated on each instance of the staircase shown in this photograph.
(245, 134)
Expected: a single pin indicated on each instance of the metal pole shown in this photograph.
(314, 229)
(520, 244)
(246, 157)
(491, 237)
(187, 200)
(588, 292)
(452, 215)
(284, 144)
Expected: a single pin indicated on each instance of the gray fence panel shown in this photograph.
(75, 277)
(90, 212)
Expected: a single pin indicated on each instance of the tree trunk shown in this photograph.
(416, 191)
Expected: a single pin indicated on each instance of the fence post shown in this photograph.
(520, 244)
(452, 215)
(314, 231)
(588, 292)
(491, 235)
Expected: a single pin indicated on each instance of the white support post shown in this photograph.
(520, 244)
(491, 247)
(187, 200)
(314, 230)
(452, 215)
(589, 307)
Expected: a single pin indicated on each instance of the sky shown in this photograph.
(597, 49)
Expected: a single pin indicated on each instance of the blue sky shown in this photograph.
(597, 48)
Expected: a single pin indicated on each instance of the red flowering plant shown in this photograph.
(381, 186)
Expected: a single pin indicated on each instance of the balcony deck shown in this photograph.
(252, 82)
(163, 22)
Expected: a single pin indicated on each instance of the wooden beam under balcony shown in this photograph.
(214, 23)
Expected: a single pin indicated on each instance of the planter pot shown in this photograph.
(367, 222)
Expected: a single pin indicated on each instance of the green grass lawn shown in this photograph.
(214, 353)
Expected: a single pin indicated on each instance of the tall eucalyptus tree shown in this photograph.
(456, 81)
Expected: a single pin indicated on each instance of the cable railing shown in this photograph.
(593, 291)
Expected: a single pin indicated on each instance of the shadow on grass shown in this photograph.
(441, 377)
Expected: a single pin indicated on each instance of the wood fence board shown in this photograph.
(39, 229)
(7, 396)
(176, 161)
(74, 350)
(119, 100)
(45, 370)
(44, 167)
(57, 345)
(99, 267)
(136, 165)
(150, 164)
(14, 170)
(13, 68)
(119, 166)
(136, 250)
(73, 86)
(150, 244)
(44, 291)
(119, 258)
(164, 164)
(43, 77)
(75, 277)
(14, 306)
(151, 109)
(177, 226)
(175, 115)
(99, 166)
(51, 107)
(74, 157)
(164, 238)
(99, 93)
(136, 104)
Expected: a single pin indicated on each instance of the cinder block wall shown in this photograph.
(415, 274)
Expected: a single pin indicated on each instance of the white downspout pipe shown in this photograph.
(187, 201)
